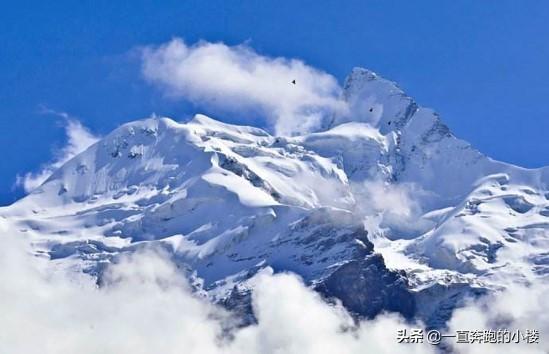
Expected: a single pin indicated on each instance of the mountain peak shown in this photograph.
(360, 72)
(228, 200)
(374, 100)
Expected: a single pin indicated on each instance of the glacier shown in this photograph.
(381, 208)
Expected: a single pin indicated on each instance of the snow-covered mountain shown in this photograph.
(382, 208)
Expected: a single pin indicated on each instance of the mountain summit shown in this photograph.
(384, 208)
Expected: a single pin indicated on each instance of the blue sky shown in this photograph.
(481, 64)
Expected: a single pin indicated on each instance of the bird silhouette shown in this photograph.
(293, 82)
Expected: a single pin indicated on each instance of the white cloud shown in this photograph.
(146, 307)
(294, 319)
(518, 307)
(79, 138)
(239, 79)
(32, 180)
(385, 197)
(391, 206)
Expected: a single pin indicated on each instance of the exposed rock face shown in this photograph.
(366, 287)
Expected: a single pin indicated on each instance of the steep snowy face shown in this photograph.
(227, 201)
(376, 101)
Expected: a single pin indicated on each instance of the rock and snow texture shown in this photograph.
(382, 208)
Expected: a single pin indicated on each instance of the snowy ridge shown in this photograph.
(228, 200)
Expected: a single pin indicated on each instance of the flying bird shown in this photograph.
(293, 82)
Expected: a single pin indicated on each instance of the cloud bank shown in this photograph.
(79, 138)
(520, 307)
(237, 79)
(146, 306)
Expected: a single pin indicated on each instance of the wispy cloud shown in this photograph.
(79, 138)
(236, 78)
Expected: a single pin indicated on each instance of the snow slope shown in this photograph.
(383, 208)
